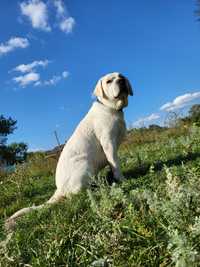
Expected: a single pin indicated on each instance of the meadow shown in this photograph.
(150, 219)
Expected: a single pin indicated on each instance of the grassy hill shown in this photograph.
(150, 219)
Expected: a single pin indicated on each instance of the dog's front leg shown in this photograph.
(110, 150)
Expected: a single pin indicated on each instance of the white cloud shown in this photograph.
(56, 78)
(142, 121)
(37, 83)
(27, 79)
(37, 13)
(30, 76)
(31, 66)
(59, 8)
(67, 25)
(180, 101)
(12, 44)
(53, 81)
(65, 74)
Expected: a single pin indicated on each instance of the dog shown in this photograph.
(94, 143)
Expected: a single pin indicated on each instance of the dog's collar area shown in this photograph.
(98, 101)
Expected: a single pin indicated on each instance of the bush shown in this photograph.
(151, 219)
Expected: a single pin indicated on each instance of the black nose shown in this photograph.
(122, 82)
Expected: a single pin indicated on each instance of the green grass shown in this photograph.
(150, 219)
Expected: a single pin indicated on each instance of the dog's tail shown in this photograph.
(11, 221)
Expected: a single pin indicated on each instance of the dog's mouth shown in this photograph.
(119, 96)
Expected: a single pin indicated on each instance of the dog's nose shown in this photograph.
(122, 82)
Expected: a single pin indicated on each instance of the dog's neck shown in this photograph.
(109, 107)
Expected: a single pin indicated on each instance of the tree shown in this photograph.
(172, 119)
(155, 127)
(198, 10)
(194, 113)
(13, 153)
(7, 126)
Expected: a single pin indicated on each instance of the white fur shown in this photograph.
(94, 143)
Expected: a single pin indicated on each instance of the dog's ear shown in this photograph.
(130, 90)
(98, 90)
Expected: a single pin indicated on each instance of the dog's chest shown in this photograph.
(110, 125)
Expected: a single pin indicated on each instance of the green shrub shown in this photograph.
(150, 219)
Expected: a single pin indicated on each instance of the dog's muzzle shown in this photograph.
(122, 86)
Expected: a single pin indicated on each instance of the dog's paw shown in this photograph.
(118, 176)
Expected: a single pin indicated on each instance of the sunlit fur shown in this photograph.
(109, 93)
(93, 144)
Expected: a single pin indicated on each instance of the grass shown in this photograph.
(150, 219)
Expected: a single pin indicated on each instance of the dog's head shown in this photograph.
(112, 90)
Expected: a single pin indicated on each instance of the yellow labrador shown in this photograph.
(94, 143)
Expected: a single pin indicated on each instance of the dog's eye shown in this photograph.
(109, 81)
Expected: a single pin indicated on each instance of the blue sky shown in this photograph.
(53, 52)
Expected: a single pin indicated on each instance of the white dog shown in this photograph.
(94, 143)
